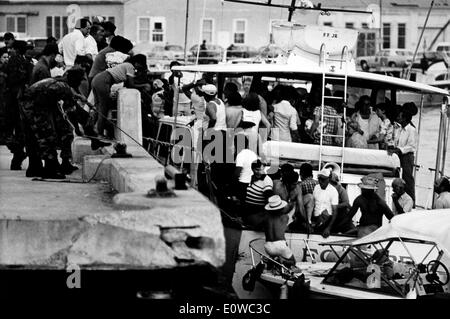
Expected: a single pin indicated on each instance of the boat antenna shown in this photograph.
(408, 70)
(292, 7)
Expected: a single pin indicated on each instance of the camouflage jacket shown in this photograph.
(47, 93)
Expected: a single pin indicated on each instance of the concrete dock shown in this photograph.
(108, 223)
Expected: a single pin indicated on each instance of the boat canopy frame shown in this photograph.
(358, 252)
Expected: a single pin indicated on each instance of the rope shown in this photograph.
(96, 170)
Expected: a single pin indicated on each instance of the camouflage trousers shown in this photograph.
(46, 130)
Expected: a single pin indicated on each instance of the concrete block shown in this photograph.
(80, 147)
(129, 115)
(105, 244)
(97, 165)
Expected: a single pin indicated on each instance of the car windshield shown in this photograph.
(174, 48)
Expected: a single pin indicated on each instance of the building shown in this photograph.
(43, 18)
(161, 22)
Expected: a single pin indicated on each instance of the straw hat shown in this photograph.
(368, 182)
(275, 203)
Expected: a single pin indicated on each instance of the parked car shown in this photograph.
(443, 47)
(213, 54)
(35, 44)
(431, 57)
(176, 52)
(158, 52)
(241, 51)
(386, 57)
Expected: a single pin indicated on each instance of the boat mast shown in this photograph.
(408, 71)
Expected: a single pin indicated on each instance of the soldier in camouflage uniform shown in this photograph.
(43, 109)
(18, 76)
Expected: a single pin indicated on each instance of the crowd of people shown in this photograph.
(66, 90)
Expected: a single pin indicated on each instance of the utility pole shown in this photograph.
(186, 31)
(381, 25)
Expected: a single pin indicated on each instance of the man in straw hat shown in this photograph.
(371, 205)
(276, 225)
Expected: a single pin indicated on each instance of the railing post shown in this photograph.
(129, 116)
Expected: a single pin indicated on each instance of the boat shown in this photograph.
(363, 269)
(317, 56)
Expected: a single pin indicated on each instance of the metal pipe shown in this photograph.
(446, 133)
(186, 31)
(418, 136)
(442, 128)
(420, 39)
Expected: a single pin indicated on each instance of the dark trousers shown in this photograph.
(14, 134)
(407, 164)
(101, 87)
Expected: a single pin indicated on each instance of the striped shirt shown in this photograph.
(255, 191)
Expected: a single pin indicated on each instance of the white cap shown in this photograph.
(324, 172)
(209, 89)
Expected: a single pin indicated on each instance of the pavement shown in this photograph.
(22, 198)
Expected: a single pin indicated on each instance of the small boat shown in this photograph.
(364, 267)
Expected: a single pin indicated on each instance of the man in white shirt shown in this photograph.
(401, 201)
(405, 141)
(442, 188)
(326, 199)
(74, 43)
(243, 171)
(285, 120)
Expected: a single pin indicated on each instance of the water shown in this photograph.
(427, 154)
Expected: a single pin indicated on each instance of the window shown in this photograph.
(143, 29)
(151, 29)
(401, 35)
(240, 28)
(208, 30)
(56, 26)
(158, 31)
(364, 25)
(367, 42)
(328, 24)
(386, 35)
(16, 24)
(349, 25)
